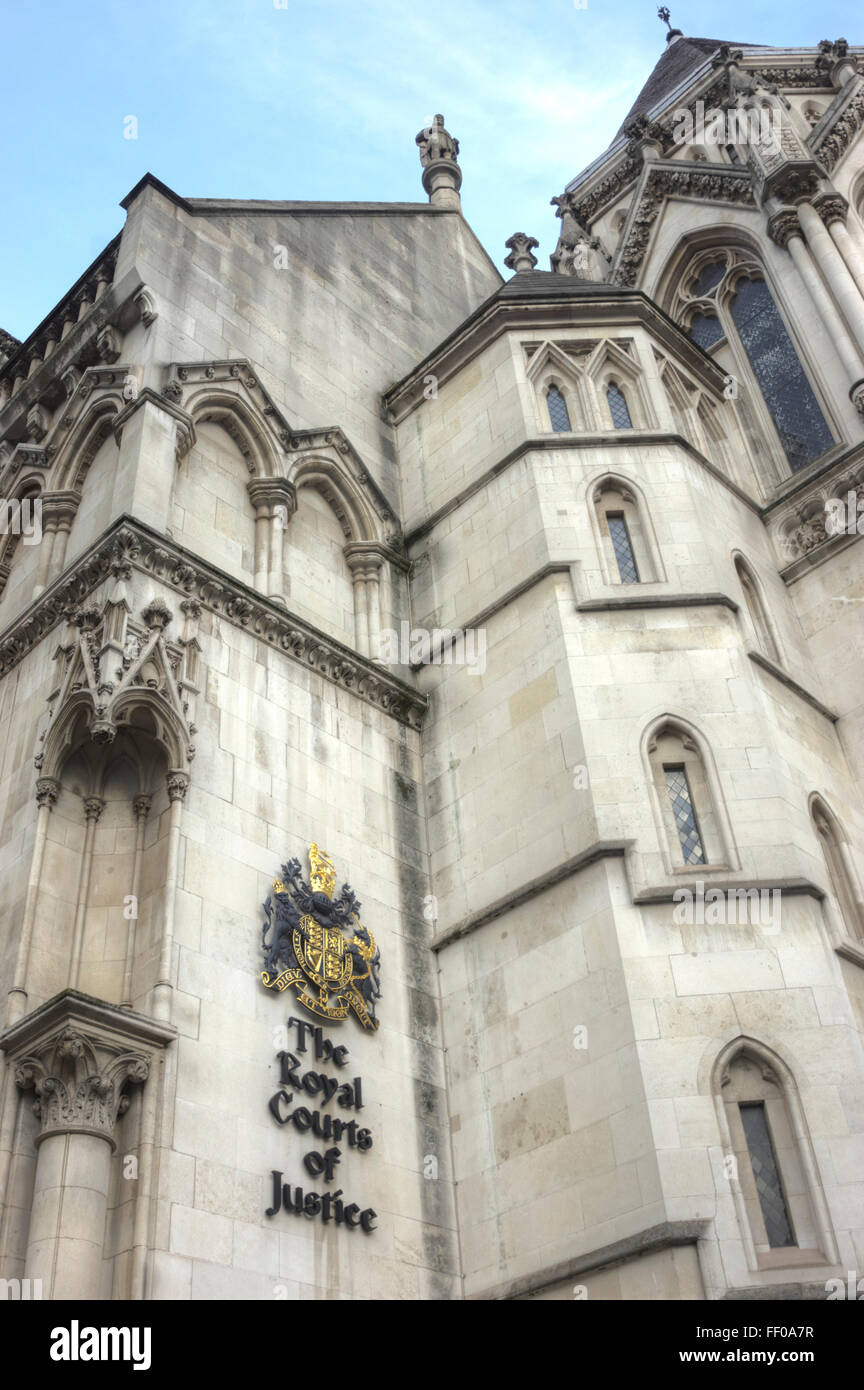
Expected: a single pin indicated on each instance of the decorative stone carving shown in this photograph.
(80, 1082)
(442, 177)
(108, 345)
(838, 137)
(157, 615)
(436, 143)
(648, 139)
(831, 207)
(38, 421)
(836, 62)
(103, 665)
(145, 302)
(783, 226)
(178, 785)
(220, 595)
(47, 791)
(667, 180)
(800, 525)
(521, 247)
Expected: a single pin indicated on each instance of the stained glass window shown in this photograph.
(705, 330)
(788, 395)
(623, 548)
(558, 414)
(681, 801)
(618, 409)
(708, 278)
(720, 302)
(766, 1175)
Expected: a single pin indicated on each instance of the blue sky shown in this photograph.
(320, 99)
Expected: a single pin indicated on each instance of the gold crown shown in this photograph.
(322, 876)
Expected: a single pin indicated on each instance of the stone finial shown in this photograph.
(520, 247)
(442, 177)
(672, 34)
(835, 59)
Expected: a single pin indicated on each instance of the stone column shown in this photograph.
(64, 506)
(832, 208)
(93, 808)
(834, 270)
(364, 559)
(284, 506)
(141, 806)
(258, 493)
(46, 545)
(178, 785)
(47, 791)
(785, 229)
(80, 1058)
(275, 502)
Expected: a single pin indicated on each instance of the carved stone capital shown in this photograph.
(266, 494)
(81, 1057)
(364, 559)
(178, 785)
(141, 806)
(783, 226)
(831, 207)
(60, 506)
(93, 807)
(47, 791)
(793, 182)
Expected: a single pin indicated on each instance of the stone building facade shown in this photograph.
(526, 606)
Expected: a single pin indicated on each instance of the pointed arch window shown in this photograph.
(695, 832)
(762, 627)
(847, 908)
(628, 550)
(769, 1160)
(618, 408)
(727, 302)
(559, 416)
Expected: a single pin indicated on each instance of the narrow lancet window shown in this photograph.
(681, 800)
(618, 408)
(623, 547)
(559, 416)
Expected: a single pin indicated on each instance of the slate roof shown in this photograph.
(678, 60)
(526, 283)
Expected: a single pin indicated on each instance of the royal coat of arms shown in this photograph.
(317, 944)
